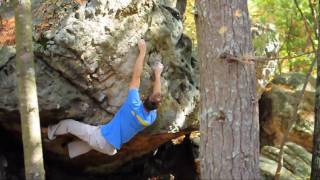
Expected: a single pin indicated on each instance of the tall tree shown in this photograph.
(315, 167)
(229, 113)
(28, 101)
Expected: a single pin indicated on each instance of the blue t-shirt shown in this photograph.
(128, 121)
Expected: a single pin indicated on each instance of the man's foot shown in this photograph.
(44, 131)
(44, 134)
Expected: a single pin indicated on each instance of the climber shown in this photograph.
(132, 117)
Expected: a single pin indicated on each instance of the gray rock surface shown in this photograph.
(267, 47)
(84, 54)
(6, 53)
(297, 162)
(276, 110)
(57, 97)
(94, 47)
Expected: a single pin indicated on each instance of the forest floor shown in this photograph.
(7, 32)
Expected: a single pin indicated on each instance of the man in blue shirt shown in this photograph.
(132, 117)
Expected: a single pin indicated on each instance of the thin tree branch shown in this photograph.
(282, 46)
(252, 59)
(259, 58)
(294, 119)
(296, 106)
(306, 25)
(314, 17)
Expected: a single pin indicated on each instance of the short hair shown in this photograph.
(152, 102)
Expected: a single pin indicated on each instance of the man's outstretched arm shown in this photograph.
(158, 67)
(138, 66)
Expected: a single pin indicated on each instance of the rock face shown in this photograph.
(297, 162)
(265, 70)
(276, 110)
(94, 47)
(85, 52)
(3, 166)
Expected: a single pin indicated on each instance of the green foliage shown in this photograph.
(289, 30)
(262, 38)
(278, 22)
(189, 23)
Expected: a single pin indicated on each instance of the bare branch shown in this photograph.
(294, 119)
(314, 17)
(252, 59)
(231, 58)
(296, 106)
(306, 25)
(260, 58)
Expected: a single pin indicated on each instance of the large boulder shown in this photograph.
(94, 47)
(296, 162)
(277, 109)
(84, 53)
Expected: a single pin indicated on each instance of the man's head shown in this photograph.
(152, 102)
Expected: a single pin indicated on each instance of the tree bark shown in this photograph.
(28, 102)
(315, 167)
(229, 110)
(181, 6)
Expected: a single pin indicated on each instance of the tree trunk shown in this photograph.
(28, 102)
(315, 167)
(181, 6)
(229, 110)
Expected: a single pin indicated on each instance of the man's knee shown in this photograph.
(69, 121)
